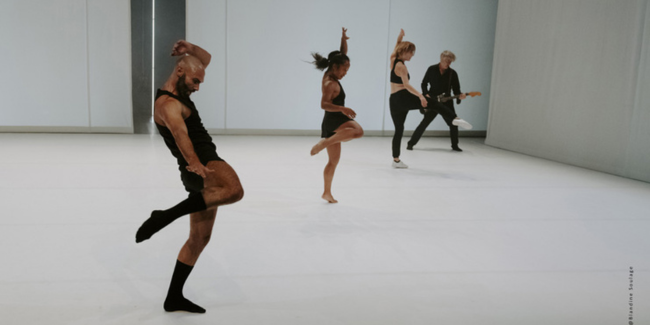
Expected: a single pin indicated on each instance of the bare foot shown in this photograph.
(329, 198)
(318, 147)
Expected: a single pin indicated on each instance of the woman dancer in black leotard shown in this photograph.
(404, 97)
(338, 124)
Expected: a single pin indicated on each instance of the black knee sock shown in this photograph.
(160, 219)
(175, 300)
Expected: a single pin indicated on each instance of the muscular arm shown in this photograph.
(330, 91)
(184, 47)
(201, 54)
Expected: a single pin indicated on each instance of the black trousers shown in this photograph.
(433, 109)
(402, 102)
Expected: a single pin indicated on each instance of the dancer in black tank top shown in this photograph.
(210, 181)
(338, 123)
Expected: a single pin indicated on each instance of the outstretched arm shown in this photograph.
(399, 40)
(344, 42)
(183, 47)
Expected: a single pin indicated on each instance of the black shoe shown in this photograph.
(455, 148)
(409, 147)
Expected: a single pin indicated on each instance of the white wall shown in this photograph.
(109, 53)
(569, 81)
(269, 86)
(66, 65)
(206, 26)
(73, 69)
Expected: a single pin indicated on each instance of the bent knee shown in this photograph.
(358, 133)
(236, 194)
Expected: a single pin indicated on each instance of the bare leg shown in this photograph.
(221, 186)
(334, 153)
(201, 224)
(346, 132)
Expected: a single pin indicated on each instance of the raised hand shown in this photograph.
(344, 36)
(401, 33)
(181, 47)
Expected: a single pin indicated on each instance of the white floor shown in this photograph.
(484, 236)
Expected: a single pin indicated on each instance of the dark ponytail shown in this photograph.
(335, 57)
(320, 62)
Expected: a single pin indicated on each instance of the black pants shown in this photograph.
(402, 102)
(433, 109)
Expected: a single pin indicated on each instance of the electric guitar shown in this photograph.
(442, 98)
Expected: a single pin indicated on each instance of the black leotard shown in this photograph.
(332, 120)
(394, 78)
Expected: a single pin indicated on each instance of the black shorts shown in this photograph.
(194, 183)
(331, 122)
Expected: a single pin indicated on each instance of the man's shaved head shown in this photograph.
(191, 63)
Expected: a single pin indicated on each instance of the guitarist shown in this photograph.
(440, 78)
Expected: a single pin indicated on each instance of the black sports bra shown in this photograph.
(395, 78)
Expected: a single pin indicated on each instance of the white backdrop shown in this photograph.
(67, 65)
(72, 72)
(206, 26)
(45, 79)
(271, 87)
(569, 83)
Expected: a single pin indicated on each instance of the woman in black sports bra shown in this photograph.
(403, 96)
(338, 123)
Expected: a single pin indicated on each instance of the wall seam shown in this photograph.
(88, 67)
(383, 118)
(225, 93)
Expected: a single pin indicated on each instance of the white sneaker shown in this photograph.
(462, 123)
(399, 164)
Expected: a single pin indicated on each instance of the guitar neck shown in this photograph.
(454, 97)
(442, 98)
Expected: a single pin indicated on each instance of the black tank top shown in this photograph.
(197, 133)
(395, 78)
(340, 99)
